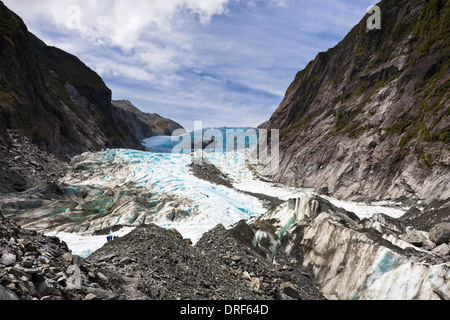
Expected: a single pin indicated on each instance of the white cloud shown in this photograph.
(226, 62)
(149, 33)
(117, 22)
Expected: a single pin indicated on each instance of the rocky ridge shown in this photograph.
(52, 97)
(153, 263)
(368, 119)
(149, 263)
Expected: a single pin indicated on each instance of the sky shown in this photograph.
(222, 62)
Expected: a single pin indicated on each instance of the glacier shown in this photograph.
(170, 195)
(129, 187)
(114, 191)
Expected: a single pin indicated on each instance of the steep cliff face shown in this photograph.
(20, 80)
(54, 99)
(51, 100)
(51, 96)
(368, 119)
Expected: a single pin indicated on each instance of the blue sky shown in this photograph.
(223, 62)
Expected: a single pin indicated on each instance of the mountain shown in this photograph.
(51, 100)
(369, 118)
(145, 125)
(57, 101)
(51, 96)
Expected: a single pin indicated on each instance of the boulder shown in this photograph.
(74, 279)
(18, 273)
(67, 258)
(429, 245)
(76, 260)
(290, 291)
(246, 276)
(47, 287)
(255, 284)
(415, 237)
(8, 259)
(175, 232)
(441, 233)
(91, 297)
(101, 294)
(442, 250)
(7, 294)
(28, 262)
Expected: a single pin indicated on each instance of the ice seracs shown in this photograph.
(350, 258)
